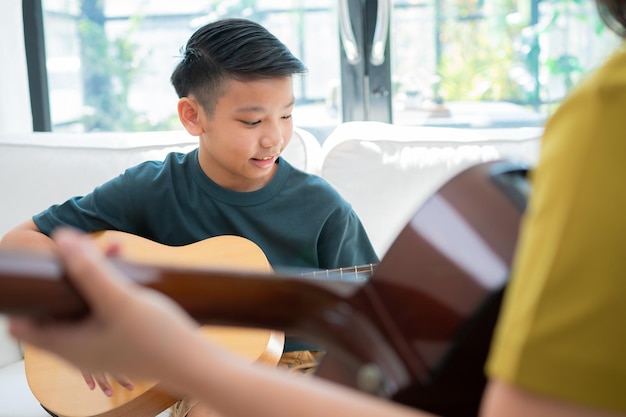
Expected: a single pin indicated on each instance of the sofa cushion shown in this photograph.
(304, 151)
(386, 171)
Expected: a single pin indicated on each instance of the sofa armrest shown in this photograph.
(304, 151)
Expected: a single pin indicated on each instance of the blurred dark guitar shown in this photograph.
(417, 332)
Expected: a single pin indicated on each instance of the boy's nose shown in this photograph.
(271, 138)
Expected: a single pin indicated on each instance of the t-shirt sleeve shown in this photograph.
(344, 241)
(110, 206)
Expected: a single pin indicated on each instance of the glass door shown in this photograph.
(490, 63)
(463, 63)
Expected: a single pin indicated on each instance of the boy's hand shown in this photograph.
(100, 379)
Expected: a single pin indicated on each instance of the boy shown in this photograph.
(235, 87)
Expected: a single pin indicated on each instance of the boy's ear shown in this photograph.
(189, 113)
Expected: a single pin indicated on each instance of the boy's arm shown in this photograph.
(27, 236)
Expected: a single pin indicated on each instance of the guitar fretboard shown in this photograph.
(353, 273)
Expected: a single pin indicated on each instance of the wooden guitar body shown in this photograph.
(433, 301)
(417, 332)
(60, 387)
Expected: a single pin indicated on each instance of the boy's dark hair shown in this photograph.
(230, 49)
(613, 13)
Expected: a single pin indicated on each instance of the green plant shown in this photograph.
(109, 67)
(477, 54)
(565, 18)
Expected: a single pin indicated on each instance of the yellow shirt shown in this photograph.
(562, 332)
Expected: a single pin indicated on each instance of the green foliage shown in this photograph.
(110, 66)
(478, 54)
(490, 51)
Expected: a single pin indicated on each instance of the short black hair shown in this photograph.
(613, 13)
(237, 49)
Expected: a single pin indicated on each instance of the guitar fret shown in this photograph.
(352, 273)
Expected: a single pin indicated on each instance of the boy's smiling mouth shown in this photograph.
(265, 161)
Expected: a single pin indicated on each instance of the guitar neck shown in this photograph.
(317, 309)
(35, 285)
(353, 273)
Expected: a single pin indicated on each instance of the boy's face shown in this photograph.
(250, 126)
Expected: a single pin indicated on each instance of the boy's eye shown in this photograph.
(256, 122)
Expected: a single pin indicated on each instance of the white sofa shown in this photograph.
(385, 171)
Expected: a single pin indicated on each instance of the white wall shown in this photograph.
(15, 113)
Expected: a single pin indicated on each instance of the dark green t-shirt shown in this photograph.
(297, 219)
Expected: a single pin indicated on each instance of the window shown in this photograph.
(109, 61)
(468, 63)
(491, 63)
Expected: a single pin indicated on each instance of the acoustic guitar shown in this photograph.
(60, 388)
(416, 332)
